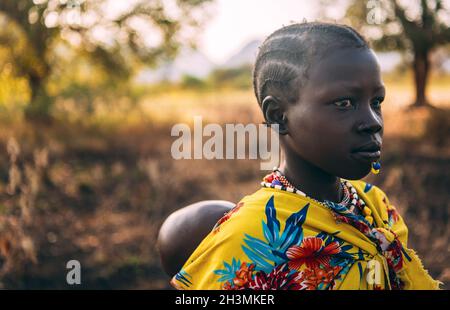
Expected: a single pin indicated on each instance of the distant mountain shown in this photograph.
(188, 62)
(246, 55)
(193, 62)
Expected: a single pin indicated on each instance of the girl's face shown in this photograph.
(337, 124)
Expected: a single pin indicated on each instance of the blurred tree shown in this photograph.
(238, 77)
(414, 27)
(192, 82)
(116, 35)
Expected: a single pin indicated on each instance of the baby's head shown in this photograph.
(321, 84)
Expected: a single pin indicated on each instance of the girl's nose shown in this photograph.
(370, 122)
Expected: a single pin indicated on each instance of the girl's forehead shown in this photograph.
(351, 67)
(344, 72)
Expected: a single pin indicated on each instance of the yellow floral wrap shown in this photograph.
(274, 239)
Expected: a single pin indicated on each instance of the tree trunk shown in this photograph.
(421, 70)
(40, 103)
(35, 83)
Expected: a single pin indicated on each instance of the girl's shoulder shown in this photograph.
(254, 208)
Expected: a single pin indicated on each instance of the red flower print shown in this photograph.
(244, 275)
(227, 216)
(393, 216)
(377, 287)
(280, 278)
(310, 279)
(242, 278)
(312, 253)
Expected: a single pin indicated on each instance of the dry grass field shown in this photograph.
(96, 189)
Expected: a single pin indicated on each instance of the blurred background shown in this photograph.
(89, 92)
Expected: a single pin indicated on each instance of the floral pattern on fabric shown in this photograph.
(276, 239)
(226, 217)
(385, 239)
(285, 259)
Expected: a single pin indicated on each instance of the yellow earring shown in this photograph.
(376, 166)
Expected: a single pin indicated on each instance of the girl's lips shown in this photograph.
(366, 155)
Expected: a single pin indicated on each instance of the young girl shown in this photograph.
(313, 224)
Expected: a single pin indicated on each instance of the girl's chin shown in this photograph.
(356, 173)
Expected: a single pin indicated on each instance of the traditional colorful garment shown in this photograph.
(277, 239)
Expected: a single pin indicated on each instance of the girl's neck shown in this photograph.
(311, 180)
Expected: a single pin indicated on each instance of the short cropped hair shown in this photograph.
(283, 60)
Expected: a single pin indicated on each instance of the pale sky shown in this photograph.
(235, 22)
(230, 24)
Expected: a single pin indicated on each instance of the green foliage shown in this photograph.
(390, 26)
(189, 81)
(38, 34)
(239, 77)
(415, 30)
(13, 90)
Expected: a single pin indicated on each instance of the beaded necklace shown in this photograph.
(351, 202)
(385, 239)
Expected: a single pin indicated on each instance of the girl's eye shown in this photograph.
(344, 103)
(377, 102)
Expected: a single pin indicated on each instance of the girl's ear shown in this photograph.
(274, 113)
